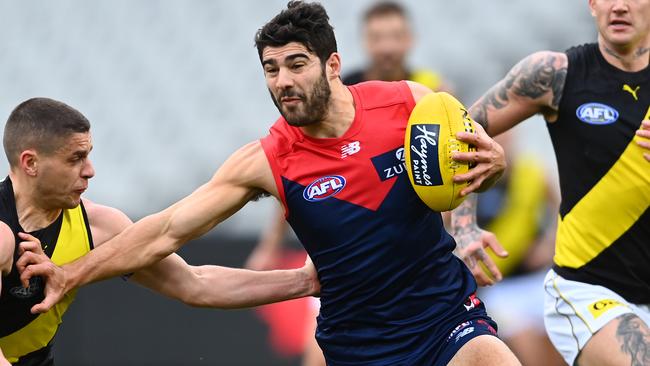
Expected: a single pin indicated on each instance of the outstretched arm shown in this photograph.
(207, 286)
(532, 86)
(7, 244)
(242, 177)
(226, 288)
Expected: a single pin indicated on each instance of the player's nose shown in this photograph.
(88, 170)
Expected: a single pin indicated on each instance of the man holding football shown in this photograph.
(392, 291)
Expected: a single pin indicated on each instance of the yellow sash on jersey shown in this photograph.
(607, 211)
(72, 243)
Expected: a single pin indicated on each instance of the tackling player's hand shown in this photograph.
(310, 270)
(471, 249)
(33, 262)
(644, 141)
(489, 158)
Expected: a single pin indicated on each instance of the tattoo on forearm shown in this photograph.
(532, 78)
(634, 336)
(464, 222)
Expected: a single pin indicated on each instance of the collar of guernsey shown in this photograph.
(73, 241)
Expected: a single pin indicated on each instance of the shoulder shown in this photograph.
(248, 167)
(418, 90)
(540, 76)
(105, 221)
(379, 94)
(556, 60)
(544, 68)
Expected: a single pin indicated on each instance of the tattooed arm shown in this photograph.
(634, 337)
(533, 86)
(471, 242)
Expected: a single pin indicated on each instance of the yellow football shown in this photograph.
(429, 142)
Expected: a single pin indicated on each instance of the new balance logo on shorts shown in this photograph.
(350, 149)
(468, 327)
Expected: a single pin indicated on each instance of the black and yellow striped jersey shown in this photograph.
(603, 233)
(66, 239)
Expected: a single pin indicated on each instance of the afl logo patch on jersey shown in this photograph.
(25, 293)
(324, 187)
(597, 114)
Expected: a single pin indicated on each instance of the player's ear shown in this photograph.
(591, 7)
(28, 162)
(333, 66)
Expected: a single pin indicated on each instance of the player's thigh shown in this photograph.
(623, 341)
(576, 311)
(484, 350)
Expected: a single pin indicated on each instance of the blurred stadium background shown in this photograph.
(173, 87)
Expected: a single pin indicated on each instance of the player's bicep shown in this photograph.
(241, 178)
(7, 245)
(532, 86)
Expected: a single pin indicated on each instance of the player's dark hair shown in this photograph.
(305, 23)
(40, 124)
(384, 8)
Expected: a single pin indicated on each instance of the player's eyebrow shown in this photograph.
(291, 57)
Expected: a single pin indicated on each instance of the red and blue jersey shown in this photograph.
(390, 285)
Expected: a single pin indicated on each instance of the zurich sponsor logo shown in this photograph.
(323, 188)
(597, 114)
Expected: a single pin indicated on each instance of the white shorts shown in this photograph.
(575, 311)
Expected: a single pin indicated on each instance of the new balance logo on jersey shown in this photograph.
(629, 89)
(350, 149)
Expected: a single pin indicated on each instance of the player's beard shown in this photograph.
(313, 108)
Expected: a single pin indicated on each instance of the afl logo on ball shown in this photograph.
(324, 187)
(597, 114)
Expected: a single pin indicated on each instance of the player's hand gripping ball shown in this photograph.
(429, 143)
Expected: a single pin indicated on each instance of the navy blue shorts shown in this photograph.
(425, 343)
(462, 334)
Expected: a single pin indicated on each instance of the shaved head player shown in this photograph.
(48, 146)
